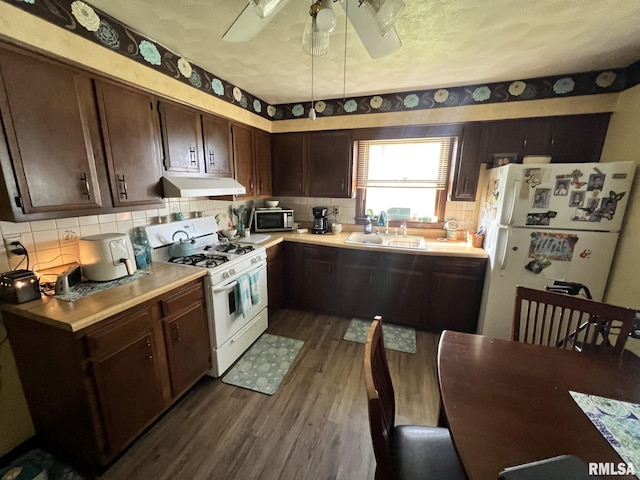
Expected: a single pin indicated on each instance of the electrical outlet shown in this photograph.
(336, 210)
(7, 239)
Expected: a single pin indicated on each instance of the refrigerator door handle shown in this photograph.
(512, 202)
(503, 255)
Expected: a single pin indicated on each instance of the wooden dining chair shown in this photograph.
(573, 323)
(402, 451)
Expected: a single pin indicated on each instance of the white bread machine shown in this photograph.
(106, 256)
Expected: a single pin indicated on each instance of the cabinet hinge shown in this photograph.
(18, 201)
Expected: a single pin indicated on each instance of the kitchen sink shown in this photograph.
(392, 241)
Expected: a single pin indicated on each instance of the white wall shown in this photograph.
(623, 143)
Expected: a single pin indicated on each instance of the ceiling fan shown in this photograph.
(372, 20)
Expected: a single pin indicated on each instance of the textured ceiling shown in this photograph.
(445, 43)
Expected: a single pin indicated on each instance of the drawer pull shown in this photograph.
(177, 333)
(125, 192)
(87, 190)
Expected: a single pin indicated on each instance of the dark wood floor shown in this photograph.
(314, 427)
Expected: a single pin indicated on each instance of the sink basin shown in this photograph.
(359, 237)
(392, 241)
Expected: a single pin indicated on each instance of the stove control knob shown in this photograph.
(225, 275)
(232, 271)
(255, 259)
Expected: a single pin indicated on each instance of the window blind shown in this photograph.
(407, 163)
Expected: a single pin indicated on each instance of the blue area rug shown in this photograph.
(38, 465)
(396, 337)
(263, 367)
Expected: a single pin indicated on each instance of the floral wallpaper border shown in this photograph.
(98, 27)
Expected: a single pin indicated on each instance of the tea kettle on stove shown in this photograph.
(184, 247)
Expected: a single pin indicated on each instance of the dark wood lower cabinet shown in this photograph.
(403, 294)
(319, 279)
(359, 283)
(455, 294)
(275, 276)
(92, 392)
(428, 292)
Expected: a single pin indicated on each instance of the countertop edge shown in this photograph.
(52, 311)
(434, 247)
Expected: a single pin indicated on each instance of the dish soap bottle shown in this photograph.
(367, 225)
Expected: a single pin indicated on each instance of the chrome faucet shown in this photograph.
(403, 227)
(386, 225)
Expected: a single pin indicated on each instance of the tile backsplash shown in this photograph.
(464, 212)
(55, 242)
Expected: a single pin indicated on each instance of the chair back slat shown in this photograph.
(573, 323)
(381, 399)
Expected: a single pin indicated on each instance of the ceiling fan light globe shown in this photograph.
(314, 42)
(326, 20)
(312, 114)
(386, 17)
(264, 7)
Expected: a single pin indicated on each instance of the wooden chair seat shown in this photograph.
(402, 452)
(573, 323)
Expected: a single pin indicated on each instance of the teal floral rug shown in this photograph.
(396, 337)
(263, 367)
(39, 465)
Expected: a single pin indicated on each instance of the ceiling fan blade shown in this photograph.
(249, 24)
(377, 46)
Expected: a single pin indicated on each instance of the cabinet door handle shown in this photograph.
(466, 185)
(553, 140)
(125, 192)
(85, 181)
(192, 156)
(149, 350)
(370, 278)
(212, 159)
(524, 143)
(177, 333)
(342, 185)
(251, 185)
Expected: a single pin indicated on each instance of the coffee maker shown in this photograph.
(320, 220)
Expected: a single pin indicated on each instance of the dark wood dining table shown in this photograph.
(507, 403)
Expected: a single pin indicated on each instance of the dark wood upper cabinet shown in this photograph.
(50, 121)
(578, 138)
(330, 164)
(132, 144)
(567, 139)
(262, 154)
(181, 138)
(466, 168)
(314, 164)
(252, 157)
(243, 158)
(217, 150)
(527, 136)
(287, 158)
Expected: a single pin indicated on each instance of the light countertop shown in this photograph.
(74, 316)
(434, 247)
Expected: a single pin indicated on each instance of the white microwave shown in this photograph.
(272, 220)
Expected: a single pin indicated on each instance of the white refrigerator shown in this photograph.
(546, 222)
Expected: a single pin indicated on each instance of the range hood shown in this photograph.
(175, 186)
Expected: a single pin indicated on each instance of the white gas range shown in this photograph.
(235, 284)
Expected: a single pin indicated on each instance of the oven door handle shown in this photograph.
(225, 288)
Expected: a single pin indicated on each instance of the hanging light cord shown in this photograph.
(344, 71)
(312, 55)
